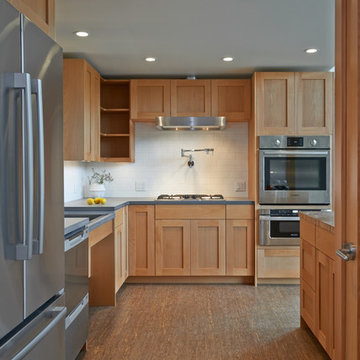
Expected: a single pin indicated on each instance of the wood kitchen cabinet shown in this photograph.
(231, 98)
(40, 12)
(149, 98)
(81, 99)
(289, 103)
(317, 294)
(208, 247)
(173, 247)
(121, 251)
(190, 98)
(141, 240)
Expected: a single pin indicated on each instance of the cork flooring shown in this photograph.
(201, 322)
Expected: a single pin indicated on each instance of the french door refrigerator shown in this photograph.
(32, 307)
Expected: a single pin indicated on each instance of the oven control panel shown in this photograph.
(294, 142)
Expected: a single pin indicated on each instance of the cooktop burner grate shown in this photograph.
(190, 197)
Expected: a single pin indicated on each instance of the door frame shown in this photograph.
(347, 88)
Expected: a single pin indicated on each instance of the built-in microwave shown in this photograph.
(294, 170)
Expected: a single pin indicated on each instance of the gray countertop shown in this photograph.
(325, 217)
(73, 224)
(113, 204)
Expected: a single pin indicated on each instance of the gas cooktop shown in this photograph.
(190, 197)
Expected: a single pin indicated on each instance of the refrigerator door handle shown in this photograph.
(22, 248)
(38, 240)
(57, 314)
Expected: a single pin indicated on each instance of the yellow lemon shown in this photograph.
(97, 200)
(103, 201)
(90, 201)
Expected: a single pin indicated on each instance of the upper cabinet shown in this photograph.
(314, 103)
(161, 97)
(40, 12)
(231, 98)
(190, 98)
(149, 98)
(275, 102)
(81, 99)
(293, 103)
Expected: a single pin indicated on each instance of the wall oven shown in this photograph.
(294, 170)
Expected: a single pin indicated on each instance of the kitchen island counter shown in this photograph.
(324, 219)
(73, 224)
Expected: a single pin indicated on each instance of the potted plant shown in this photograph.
(97, 182)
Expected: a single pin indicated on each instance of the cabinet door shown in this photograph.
(307, 263)
(231, 98)
(41, 12)
(275, 103)
(173, 247)
(314, 103)
(208, 247)
(307, 305)
(118, 257)
(124, 249)
(240, 247)
(190, 98)
(149, 98)
(324, 322)
(141, 240)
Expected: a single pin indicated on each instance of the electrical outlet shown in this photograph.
(240, 186)
(140, 186)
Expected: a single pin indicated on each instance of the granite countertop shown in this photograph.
(73, 224)
(113, 204)
(325, 219)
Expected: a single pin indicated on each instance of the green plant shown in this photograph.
(100, 177)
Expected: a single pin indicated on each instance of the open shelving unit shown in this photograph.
(116, 128)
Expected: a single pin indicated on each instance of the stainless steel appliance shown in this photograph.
(280, 227)
(190, 197)
(190, 123)
(294, 170)
(76, 291)
(32, 307)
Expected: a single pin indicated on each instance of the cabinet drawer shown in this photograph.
(307, 231)
(242, 212)
(190, 212)
(325, 242)
(119, 217)
(307, 305)
(279, 263)
(307, 263)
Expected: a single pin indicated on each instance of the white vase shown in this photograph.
(97, 190)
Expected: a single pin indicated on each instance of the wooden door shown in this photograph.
(307, 263)
(172, 247)
(124, 247)
(307, 305)
(149, 98)
(240, 247)
(141, 240)
(314, 103)
(88, 131)
(231, 98)
(190, 98)
(118, 257)
(347, 89)
(208, 247)
(275, 103)
(324, 321)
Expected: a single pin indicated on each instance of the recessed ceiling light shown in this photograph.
(311, 51)
(150, 59)
(227, 58)
(81, 33)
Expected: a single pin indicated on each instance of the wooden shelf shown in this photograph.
(116, 159)
(114, 110)
(114, 135)
(115, 81)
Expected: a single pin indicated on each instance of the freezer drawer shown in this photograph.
(77, 329)
(42, 337)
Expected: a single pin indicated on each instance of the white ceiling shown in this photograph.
(189, 37)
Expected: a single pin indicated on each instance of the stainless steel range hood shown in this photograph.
(190, 123)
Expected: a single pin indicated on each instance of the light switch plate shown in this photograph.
(140, 186)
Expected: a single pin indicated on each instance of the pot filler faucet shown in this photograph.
(190, 157)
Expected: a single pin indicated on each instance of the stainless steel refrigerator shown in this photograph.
(32, 310)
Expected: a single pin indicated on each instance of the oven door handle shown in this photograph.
(279, 218)
(295, 152)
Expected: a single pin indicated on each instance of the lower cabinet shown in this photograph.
(141, 240)
(240, 247)
(208, 247)
(173, 247)
(120, 248)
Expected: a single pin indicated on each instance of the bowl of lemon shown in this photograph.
(96, 201)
